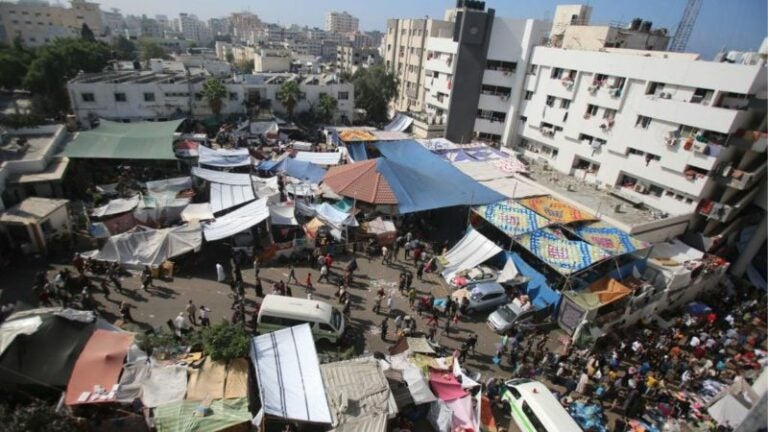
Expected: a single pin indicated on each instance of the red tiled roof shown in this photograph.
(362, 181)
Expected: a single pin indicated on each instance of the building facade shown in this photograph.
(193, 29)
(271, 60)
(38, 23)
(350, 59)
(341, 22)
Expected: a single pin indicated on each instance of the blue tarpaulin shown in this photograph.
(269, 165)
(357, 151)
(422, 180)
(539, 291)
(305, 171)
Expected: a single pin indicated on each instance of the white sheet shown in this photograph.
(224, 158)
(728, 410)
(197, 212)
(224, 196)
(164, 385)
(440, 416)
(116, 206)
(151, 247)
(319, 158)
(10, 329)
(288, 375)
(470, 251)
(508, 273)
(676, 250)
(222, 177)
(282, 214)
(418, 386)
(238, 220)
(512, 188)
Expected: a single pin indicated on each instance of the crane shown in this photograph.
(685, 27)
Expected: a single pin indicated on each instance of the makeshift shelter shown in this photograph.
(43, 352)
(564, 255)
(352, 135)
(472, 250)
(223, 158)
(361, 181)
(302, 170)
(363, 382)
(217, 380)
(116, 206)
(384, 230)
(164, 200)
(319, 158)
(411, 345)
(197, 213)
(675, 253)
(357, 152)
(221, 415)
(600, 293)
(164, 385)
(114, 140)
(555, 210)
(146, 246)
(283, 214)
(537, 287)
(608, 238)
(236, 221)
(511, 218)
(100, 364)
(288, 375)
(445, 385)
(399, 123)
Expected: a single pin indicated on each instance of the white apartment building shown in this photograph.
(350, 58)
(39, 22)
(271, 60)
(341, 22)
(193, 29)
(658, 128)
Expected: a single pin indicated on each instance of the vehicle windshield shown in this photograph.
(476, 296)
(336, 319)
(507, 313)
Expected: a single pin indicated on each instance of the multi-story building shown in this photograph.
(165, 24)
(271, 60)
(113, 21)
(404, 53)
(657, 129)
(350, 59)
(341, 22)
(220, 26)
(38, 23)
(244, 24)
(193, 29)
(161, 94)
(150, 27)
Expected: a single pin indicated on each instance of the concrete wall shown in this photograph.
(271, 61)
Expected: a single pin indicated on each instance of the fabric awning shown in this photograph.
(319, 158)
(472, 250)
(116, 206)
(113, 140)
(197, 212)
(224, 158)
(288, 375)
(302, 170)
(222, 415)
(151, 247)
(564, 255)
(511, 218)
(223, 177)
(609, 238)
(100, 363)
(165, 384)
(400, 122)
(236, 221)
(282, 214)
(224, 196)
(555, 210)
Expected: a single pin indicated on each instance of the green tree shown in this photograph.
(214, 92)
(12, 69)
(326, 108)
(124, 48)
(288, 96)
(230, 57)
(150, 50)
(244, 65)
(374, 90)
(224, 342)
(87, 34)
(57, 63)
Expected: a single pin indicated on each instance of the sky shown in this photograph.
(734, 24)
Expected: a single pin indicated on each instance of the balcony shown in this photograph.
(500, 78)
(745, 178)
(489, 125)
(728, 210)
(700, 116)
(427, 126)
(750, 140)
(493, 102)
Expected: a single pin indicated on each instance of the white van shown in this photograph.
(535, 408)
(278, 312)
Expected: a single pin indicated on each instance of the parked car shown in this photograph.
(511, 314)
(482, 296)
(473, 276)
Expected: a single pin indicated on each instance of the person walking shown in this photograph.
(377, 303)
(432, 326)
(205, 321)
(472, 342)
(146, 279)
(256, 266)
(389, 303)
(125, 312)
(411, 297)
(288, 291)
(398, 323)
(258, 288)
(191, 310)
(384, 255)
(447, 328)
(419, 272)
(352, 267)
(384, 329)
(309, 282)
(292, 274)
(323, 273)
(221, 275)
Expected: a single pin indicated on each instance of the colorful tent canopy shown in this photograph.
(609, 238)
(601, 292)
(555, 210)
(100, 363)
(182, 416)
(565, 256)
(511, 218)
(351, 135)
(113, 140)
(361, 181)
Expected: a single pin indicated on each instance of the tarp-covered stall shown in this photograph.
(564, 255)
(197, 212)
(472, 250)
(182, 416)
(609, 238)
(236, 221)
(99, 364)
(288, 375)
(114, 140)
(555, 210)
(224, 158)
(116, 206)
(217, 380)
(164, 385)
(319, 158)
(511, 218)
(145, 246)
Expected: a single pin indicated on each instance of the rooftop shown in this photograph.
(32, 209)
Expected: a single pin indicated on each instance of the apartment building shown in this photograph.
(350, 59)
(38, 23)
(244, 24)
(657, 129)
(405, 53)
(271, 60)
(162, 94)
(341, 22)
(193, 29)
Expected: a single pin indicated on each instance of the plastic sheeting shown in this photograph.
(445, 385)
(537, 288)
(399, 123)
(472, 250)
(282, 215)
(304, 171)
(115, 140)
(440, 416)
(151, 247)
(511, 218)
(100, 363)
(728, 411)
(131, 381)
(334, 216)
(288, 375)
(238, 220)
(357, 152)
(116, 206)
(224, 158)
(223, 415)
(197, 212)
(463, 417)
(609, 238)
(10, 329)
(319, 158)
(164, 385)
(214, 176)
(224, 196)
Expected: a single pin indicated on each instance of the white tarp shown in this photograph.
(282, 214)
(239, 220)
(418, 386)
(334, 217)
(676, 250)
(508, 273)
(728, 410)
(380, 226)
(440, 416)
(512, 188)
(164, 385)
(470, 251)
(132, 380)
(481, 170)
(301, 145)
(301, 189)
(10, 329)
(197, 212)
(116, 206)
(288, 375)
(171, 185)
(160, 203)
(319, 158)
(214, 176)
(399, 123)
(152, 247)
(224, 158)
(224, 196)
(466, 381)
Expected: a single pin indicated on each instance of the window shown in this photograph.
(654, 88)
(535, 422)
(88, 97)
(565, 103)
(149, 97)
(523, 119)
(557, 73)
(326, 328)
(591, 110)
(550, 101)
(643, 122)
(515, 393)
(655, 190)
(609, 114)
(532, 70)
(120, 97)
(232, 96)
(528, 95)
(501, 66)
(343, 96)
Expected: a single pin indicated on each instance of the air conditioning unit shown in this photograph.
(665, 95)
(699, 147)
(671, 141)
(592, 89)
(641, 188)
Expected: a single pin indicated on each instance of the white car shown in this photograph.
(473, 276)
(483, 296)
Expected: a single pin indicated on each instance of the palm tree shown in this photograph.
(288, 96)
(326, 108)
(214, 92)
